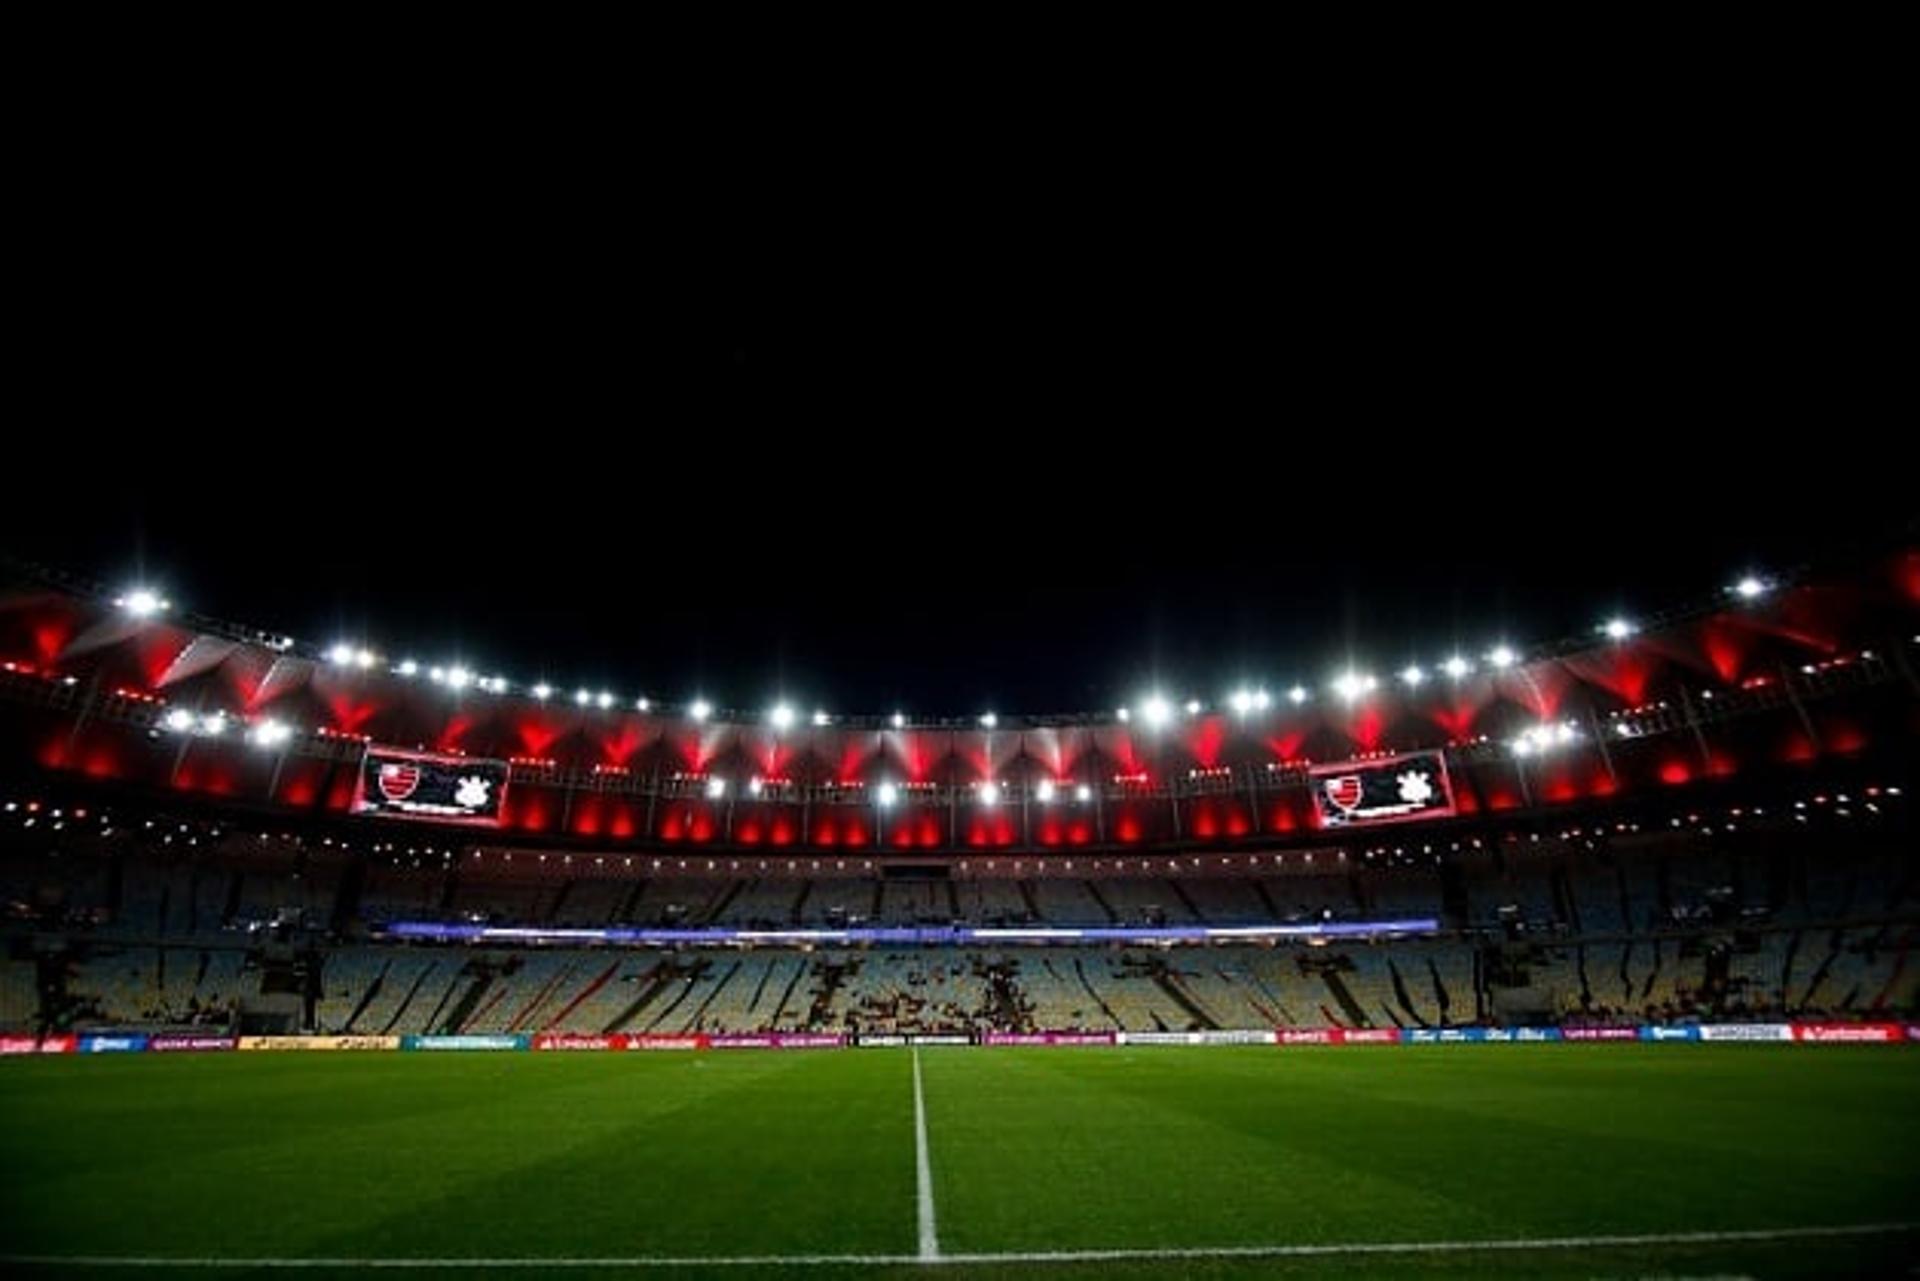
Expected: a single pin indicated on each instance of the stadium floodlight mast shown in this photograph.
(1351, 685)
(143, 602)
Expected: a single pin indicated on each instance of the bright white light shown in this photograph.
(643, 704)
(1618, 629)
(1564, 734)
(214, 723)
(700, 709)
(899, 720)
(543, 691)
(603, 700)
(408, 667)
(1412, 675)
(363, 658)
(1083, 793)
(716, 788)
(459, 677)
(179, 720)
(582, 697)
(1297, 695)
(1351, 685)
(341, 654)
(1193, 707)
(1241, 701)
(989, 794)
(1156, 711)
(1044, 792)
(1262, 700)
(781, 716)
(498, 685)
(989, 720)
(1456, 667)
(886, 794)
(142, 602)
(1501, 656)
(754, 785)
(271, 733)
(821, 718)
(437, 674)
(1750, 586)
(1125, 715)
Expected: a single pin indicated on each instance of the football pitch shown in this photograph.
(1453, 1160)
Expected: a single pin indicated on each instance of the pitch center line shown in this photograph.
(923, 1169)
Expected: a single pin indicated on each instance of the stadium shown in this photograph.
(1594, 957)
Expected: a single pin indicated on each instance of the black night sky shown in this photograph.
(947, 452)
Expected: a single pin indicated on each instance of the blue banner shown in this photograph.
(1656, 1032)
(112, 1044)
(478, 1042)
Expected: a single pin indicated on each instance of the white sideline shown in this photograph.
(923, 1170)
(1503, 1245)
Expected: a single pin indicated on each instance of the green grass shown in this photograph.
(777, 1154)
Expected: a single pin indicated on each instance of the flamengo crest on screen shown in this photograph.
(420, 785)
(1393, 789)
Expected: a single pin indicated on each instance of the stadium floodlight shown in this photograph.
(821, 719)
(716, 788)
(143, 602)
(1083, 793)
(700, 709)
(363, 658)
(1750, 587)
(1194, 707)
(781, 716)
(582, 697)
(270, 733)
(989, 720)
(755, 786)
(1297, 695)
(408, 667)
(179, 720)
(1241, 702)
(1502, 656)
(1456, 667)
(989, 794)
(1411, 675)
(340, 654)
(899, 720)
(542, 691)
(885, 795)
(603, 700)
(1124, 714)
(1262, 700)
(459, 677)
(1044, 792)
(1618, 628)
(437, 675)
(1156, 711)
(1351, 685)
(643, 704)
(214, 723)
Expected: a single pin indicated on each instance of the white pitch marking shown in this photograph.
(923, 1170)
(1505, 1245)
